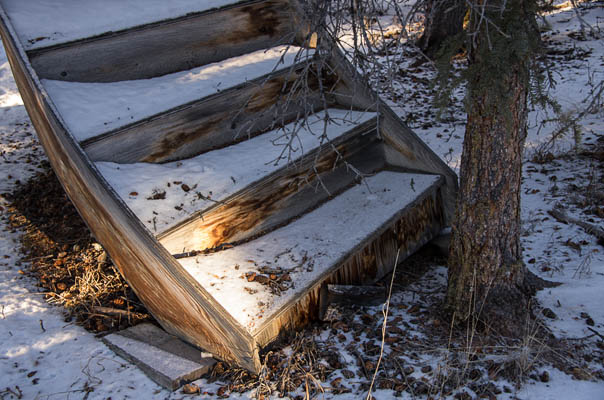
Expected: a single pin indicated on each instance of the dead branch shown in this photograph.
(589, 228)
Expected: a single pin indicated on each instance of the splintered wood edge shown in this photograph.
(413, 227)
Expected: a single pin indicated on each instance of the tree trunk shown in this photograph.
(444, 20)
(487, 277)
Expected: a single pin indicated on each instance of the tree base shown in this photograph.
(508, 311)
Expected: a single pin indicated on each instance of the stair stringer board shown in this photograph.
(172, 296)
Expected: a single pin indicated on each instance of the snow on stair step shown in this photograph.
(44, 23)
(157, 194)
(90, 109)
(306, 249)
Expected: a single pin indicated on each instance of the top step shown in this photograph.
(44, 23)
(109, 41)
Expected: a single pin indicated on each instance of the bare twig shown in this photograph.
(385, 313)
(596, 333)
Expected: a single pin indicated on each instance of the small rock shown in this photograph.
(463, 396)
(547, 312)
(185, 187)
(544, 377)
(475, 374)
(219, 369)
(262, 279)
(348, 374)
(102, 258)
(580, 374)
(191, 388)
(421, 387)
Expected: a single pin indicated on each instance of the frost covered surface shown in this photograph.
(90, 109)
(65, 361)
(302, 249)
(155, 192)
(44, 23)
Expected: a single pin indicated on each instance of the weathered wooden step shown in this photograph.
(91, 109)
(92, 41)
(228, 116)
(162, 195)
(273, 282)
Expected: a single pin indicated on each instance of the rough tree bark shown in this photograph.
(487, 278)
(444, 20)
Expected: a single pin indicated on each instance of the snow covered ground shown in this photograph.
(44, 357)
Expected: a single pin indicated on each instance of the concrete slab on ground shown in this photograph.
(165, 359)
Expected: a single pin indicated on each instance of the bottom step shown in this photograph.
(262, 283)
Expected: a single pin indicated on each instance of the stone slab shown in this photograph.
(165, 359)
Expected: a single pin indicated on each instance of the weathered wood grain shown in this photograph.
(413, 227)
(225, 118)
(281, 196)
(160, 48)
(174, 298)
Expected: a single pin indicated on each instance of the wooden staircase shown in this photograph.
(242, 180)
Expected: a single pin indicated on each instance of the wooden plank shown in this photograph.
(226, 118)
(369, 262)
(174, 298)
(281, 196)
(348, 295)
(170, 46)
(405, 149)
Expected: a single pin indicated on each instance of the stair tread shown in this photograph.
(306, 249)
(91, 109)
(45, 23)
(218, 173)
